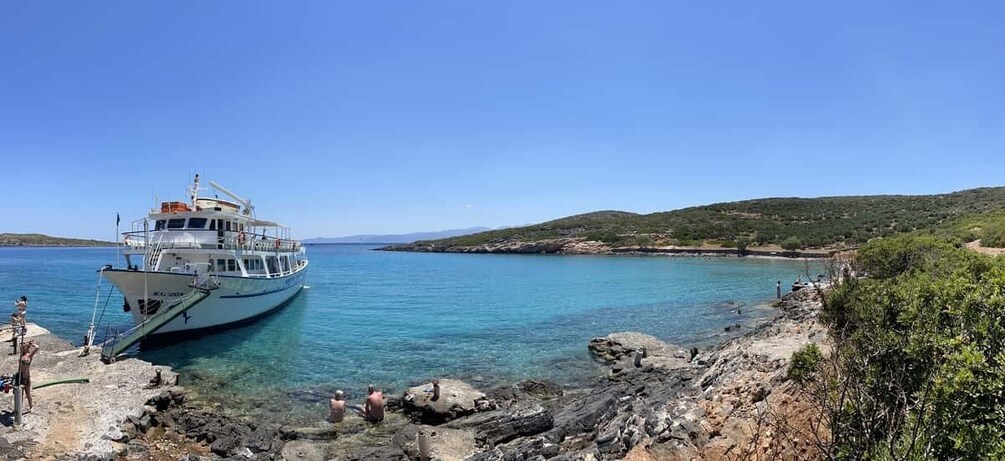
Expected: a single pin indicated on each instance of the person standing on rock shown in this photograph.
(23, 377)
(337, 406)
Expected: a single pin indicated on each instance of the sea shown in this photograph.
(397, 319)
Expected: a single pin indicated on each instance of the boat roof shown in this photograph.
(262, 223)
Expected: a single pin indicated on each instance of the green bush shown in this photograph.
(791, 244)
(921, 348)
(804, 363)
(993, 235)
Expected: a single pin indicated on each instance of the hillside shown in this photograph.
(790, 223)
(47, 241)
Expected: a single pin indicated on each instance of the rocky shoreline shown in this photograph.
(75, 420)
(580, 246)
(728, 402)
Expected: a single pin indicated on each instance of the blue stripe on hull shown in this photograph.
(156, 339)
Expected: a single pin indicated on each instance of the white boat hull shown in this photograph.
(237, 300)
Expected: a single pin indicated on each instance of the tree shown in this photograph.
(741, 245)
(792, 244)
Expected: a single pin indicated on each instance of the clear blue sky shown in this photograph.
(386, 117)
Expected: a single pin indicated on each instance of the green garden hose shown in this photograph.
(62, 381)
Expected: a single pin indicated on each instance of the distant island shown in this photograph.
(805, 227)
(397, 238)
(40, 240)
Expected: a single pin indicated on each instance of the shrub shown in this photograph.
(791, 244)
(921, 354)
(804, 364)
(993, 235)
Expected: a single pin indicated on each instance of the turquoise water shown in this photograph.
(396, 319)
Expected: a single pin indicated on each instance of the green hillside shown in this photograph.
(789, 222)
(45, 240)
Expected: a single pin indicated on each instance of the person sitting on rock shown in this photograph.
(436, 390)
(337, 406)
(373, 409)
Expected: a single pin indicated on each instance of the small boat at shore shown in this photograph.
(212, 257)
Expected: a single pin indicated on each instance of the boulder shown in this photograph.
(224, 446)
(620, 349)
(540, 389)
(457, 399)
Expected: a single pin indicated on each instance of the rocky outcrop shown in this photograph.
(630, 349)
(75, 418)
(455, 399)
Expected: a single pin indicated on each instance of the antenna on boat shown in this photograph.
(194, 191)
(249, 209)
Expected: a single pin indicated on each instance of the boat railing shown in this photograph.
(208, 240)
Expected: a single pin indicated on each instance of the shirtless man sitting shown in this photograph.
(337, 406)
(373, 409)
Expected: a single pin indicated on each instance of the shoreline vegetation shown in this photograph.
(798, 227)
(41, 240)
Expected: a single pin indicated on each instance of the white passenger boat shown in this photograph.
(255, 266)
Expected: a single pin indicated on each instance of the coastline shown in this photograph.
(726, 401)
(579, 246)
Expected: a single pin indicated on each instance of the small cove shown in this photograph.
(395, 319)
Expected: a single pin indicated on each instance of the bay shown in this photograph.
(395, 319)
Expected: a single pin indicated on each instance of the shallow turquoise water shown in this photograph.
(399, 318)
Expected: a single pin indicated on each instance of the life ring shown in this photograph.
(241, 238)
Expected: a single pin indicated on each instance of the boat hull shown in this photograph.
(238, 299)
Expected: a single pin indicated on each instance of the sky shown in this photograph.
(340, 118)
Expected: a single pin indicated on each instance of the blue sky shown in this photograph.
(386, 117)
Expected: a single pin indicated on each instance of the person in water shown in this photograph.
(337, 407)
(23, 376)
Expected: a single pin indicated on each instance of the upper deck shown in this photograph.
(207, 223)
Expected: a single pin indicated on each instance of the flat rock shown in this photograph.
(619, 349)
(457, 399)
(303, 450)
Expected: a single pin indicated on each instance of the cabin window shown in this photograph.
(226, 225)
(231, 265)
(212, 224)
(196, 223)
(160, 224)
(221, 265)
(176, 223)
(240, 227)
